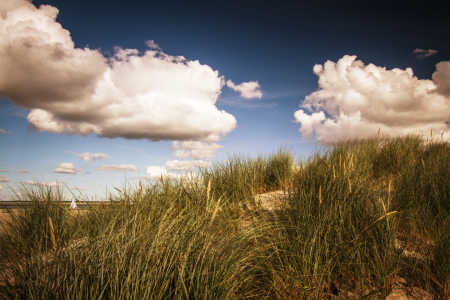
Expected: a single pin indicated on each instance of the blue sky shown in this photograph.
(252, 74)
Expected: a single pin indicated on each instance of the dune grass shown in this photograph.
(355, 217)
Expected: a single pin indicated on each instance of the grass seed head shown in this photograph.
(320, 194)
(52, 233)
(215, 212)
(208, 190)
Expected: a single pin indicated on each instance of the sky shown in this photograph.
(94, 94)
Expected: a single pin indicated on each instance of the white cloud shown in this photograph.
(421, 53)
(122, 168)
(132, 95)
(23, 171)
(248, 90)
(186, 165)
(1, 188)
(308, 122)
(67, 168)
(152, 45)
(355, 100)
(2, 131)
(7, 170)
(196, 150)
(78, 188)
(87, 156)
(156, 172)
(41, 183)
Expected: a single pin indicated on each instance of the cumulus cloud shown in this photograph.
(4, 179)
(195, 149)
(308, 122)
(87, 156)
(248, 90)
(122, 168)
(7, 170)
(133, 95)
(186, 165)
(42, 183)
(67, 168)
(158, 172)
(441, 78)
(355, 100)
(421, 53)
(23, 171)
(152, 45)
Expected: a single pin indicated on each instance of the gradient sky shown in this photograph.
(157, 87)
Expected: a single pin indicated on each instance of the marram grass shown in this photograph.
(355, 218)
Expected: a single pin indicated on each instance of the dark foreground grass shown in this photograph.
(357, 216)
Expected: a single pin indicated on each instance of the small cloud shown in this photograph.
(186, 165)
(2, 131)
(195, 150)
(421, 53)
(1, 188)
(23, 171)
(152, 45)
(41, 183)
(67, 168)
(158, 172)
(248, 90)
(7, 170)
(122, 168)
(87, 156)
(4, 179)
(78, 188)
(20, 112)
